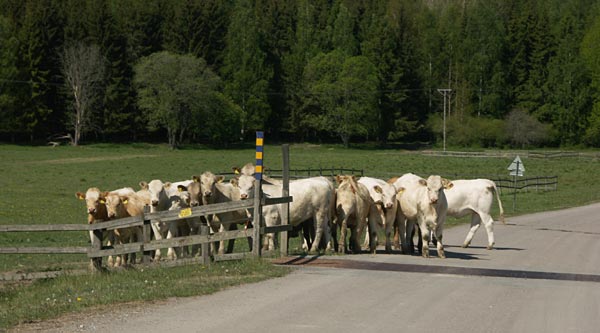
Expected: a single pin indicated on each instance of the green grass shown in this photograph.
(45, 299)
(39, 185)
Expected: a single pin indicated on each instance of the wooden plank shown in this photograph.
(276, 228)
(232, 256)
(132, 221)
(275, 201)
(43, 250)
(203, 210)
(44, 227)
(116, 250)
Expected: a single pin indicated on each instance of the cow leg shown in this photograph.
(410, 230)
(425, 239)
(156, 230)
(440, 245)
(488, 223)
(342, 243)
(475, 224)
(321, 220)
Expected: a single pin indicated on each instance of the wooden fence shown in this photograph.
(145, 246)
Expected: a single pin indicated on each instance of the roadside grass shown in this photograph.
(44, 299)
(39, 185)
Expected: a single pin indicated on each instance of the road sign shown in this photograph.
(516, 168)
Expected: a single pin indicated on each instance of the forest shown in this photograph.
(478, 73)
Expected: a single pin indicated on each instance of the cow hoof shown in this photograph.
(489, 247)
(465, 245)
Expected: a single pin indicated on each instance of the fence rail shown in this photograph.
(511, 154)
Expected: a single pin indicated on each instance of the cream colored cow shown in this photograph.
(475, 197)
(354, 210)
(422, 202)
(384, 197)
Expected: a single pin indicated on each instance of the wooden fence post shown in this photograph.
(283, 236)
(205, 246)
(146, 232)
(96, 263)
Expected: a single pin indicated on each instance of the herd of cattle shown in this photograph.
(319, 208)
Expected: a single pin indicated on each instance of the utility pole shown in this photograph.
(445, 92)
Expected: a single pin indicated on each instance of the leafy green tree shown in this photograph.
(245, 71)
(9, 122)
(177, 93)
(342, 94)
(590, 48)
(40, 36)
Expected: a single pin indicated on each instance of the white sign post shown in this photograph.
(516, 168)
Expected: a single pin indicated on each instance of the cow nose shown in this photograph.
(154, 203)
(388, 205)
(244, 196)
(111, 215)
(194, 203)
(433, 201)
(207, 193)
(91, 210)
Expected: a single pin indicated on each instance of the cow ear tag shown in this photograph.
(102, 201)
(125, 201)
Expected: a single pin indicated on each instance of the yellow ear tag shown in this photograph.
(125, 201)
(401, 190)
(236, 171)
(185, 212)
(102, 202)
(179, 189)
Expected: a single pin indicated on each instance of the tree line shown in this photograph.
(521, 72)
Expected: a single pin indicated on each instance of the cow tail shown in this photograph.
(499, 203)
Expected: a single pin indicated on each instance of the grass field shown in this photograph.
(39, 185)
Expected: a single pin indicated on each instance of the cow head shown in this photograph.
(245, 181)
(386, 195)
(113, 205)
(434, 186)
(208, 183)
(157, 192)
(94, 201)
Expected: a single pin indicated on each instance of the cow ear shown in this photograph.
(144, 185)
(181, 188)
(378, 189)
(233, 181)
(167, 185)
(80, 196)
(338, 179)
(423, 182)
(103, 195)
(220, 179)
(400, 190)
(196, 179)
(248, 169)
(447, 184)
(236, 170)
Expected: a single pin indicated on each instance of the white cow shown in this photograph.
(313, 198)
(384, 197)
(96, 209)
(422, 201)
(354, 209)
(164, 196)
(214, 190)
(120, 206)
(475, 197)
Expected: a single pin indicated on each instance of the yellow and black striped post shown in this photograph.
(257, 194)
(260, 136)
